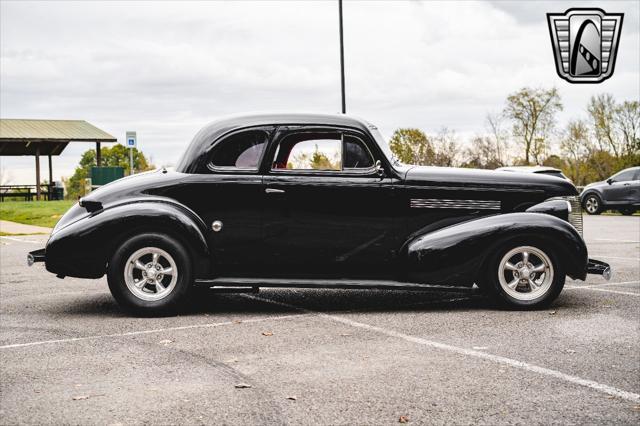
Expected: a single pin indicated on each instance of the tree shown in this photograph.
(575, 146)
(447, 148)
(627, 120)
(482, 154)
(411, 146)
(532, 112)
(494, 123)
(602, 110)
(115, 156)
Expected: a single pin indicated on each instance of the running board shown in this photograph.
(255, 283)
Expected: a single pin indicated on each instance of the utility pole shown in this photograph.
(344, 104)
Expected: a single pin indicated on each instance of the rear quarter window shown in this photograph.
(242, 151)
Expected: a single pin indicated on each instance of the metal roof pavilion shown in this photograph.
(47, 137)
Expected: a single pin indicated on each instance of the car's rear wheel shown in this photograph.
(592, 204)
(150, 274)
(524, 275)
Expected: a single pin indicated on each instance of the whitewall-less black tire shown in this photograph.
(151, 274)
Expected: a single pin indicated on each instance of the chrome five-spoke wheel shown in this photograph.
(525, 273)
(151, 273)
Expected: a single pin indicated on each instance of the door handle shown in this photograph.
(274, 191)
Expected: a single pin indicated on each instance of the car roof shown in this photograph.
(262, 119)
(217, 128)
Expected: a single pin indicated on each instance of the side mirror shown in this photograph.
(610, 181)
(379, 168)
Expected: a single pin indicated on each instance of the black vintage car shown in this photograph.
(319, 201)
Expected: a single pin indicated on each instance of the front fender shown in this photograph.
(83, 248)
(456, 255)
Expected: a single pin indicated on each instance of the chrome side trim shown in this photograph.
(437, 203)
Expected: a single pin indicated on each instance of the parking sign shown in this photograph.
(131, 140)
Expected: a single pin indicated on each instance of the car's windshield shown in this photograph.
(384, 145)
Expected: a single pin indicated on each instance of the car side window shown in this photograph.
(241, 150)
(624, 176)
(309, 151)
(356, 154)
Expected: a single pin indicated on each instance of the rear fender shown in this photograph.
(83, 248)
(456, 255)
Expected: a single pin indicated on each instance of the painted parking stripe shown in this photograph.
(609, 390)
(605, 290)
(604, 240)
(20, 240)
(597, 287)
(152, 331)
(604, 284)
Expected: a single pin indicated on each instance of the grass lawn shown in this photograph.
(40, 213)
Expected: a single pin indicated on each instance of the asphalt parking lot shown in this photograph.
(69, 355)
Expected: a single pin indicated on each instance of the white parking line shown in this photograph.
(609, 390)
(626, 293)
(604, 240)
(152, 331)
(604, 256)
(20, 240)
(604, 284)
(596, 287)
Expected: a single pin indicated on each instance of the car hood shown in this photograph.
(595, 184)
(488, 179)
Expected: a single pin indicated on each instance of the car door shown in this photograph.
(328, 211)
(227, 194)
(622, 188)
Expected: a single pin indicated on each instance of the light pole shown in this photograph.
(344, 104)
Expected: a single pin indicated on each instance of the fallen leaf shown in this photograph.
(403, 419)
(81, 397)
(237, 321)
(636, 407)
(230, 361)
(267, 333)
(552, 313)
(292, 398)
(243, 386)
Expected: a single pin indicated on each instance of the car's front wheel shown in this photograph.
(592, 204)
(150, 274)
(524, 275)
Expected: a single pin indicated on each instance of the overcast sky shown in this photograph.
(166, 69)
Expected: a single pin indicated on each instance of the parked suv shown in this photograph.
(620, 192)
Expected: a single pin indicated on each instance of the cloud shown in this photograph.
(165, 69)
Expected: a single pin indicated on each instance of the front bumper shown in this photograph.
(36, 256)
(598, 267)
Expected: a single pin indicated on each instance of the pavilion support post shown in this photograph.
(98, 156)
(38, 173)
(50, 177)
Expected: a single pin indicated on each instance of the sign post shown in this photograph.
(131, 143)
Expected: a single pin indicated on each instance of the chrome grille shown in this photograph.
(575, 217)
